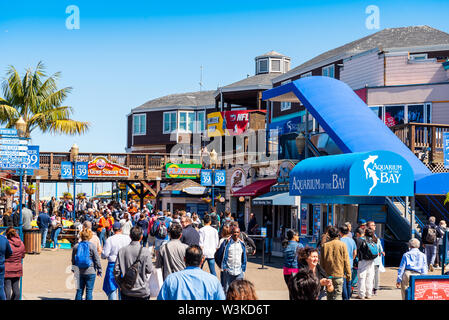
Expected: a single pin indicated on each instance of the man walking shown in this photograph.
(43, 223)
(5, 253)
(134, 260)
(27, 217)
(413, 262)
(111, 248)
(351, 247)
(430, 241)
(234, 259)
(192, 283)
(209, 243)
(160, 231)
(189, 234)
(171, 255)
(335, 261)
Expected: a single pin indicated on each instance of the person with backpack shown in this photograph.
(133, 268)
(170, 257)
(143, 223)
(160, 231)
(86, 265)
(215, 220)
(367, 251)
(430, 236)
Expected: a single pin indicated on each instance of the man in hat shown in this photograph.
(112, 246)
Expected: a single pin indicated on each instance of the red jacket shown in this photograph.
(13, 265)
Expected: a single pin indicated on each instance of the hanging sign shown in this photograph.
(102, 167)
(182, 171)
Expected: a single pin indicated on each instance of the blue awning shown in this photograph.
(437, 183)
(377, 173)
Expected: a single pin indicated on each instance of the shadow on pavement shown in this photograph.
(273, 262)
(47, 298)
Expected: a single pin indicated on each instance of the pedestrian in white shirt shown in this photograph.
(209, 243)
(112, 246)
(126, 224)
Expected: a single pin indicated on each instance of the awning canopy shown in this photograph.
(437, 183)
(377, 173)
(255, 189)
(275, 199)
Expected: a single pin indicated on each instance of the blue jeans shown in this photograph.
(211, 263)
(102, 235)
(86, 281)
(228, 278)
(431, 253)
(54, 236)
(268, 245)
(44, 232)
(347, 292)
(114, 295)
(2, 283)
(144, 240)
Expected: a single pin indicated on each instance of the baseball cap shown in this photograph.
(362, 221)
(116, 226)
(160, 213)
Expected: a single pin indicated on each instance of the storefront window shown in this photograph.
(416, 113)
(377, 111)
(394, 115)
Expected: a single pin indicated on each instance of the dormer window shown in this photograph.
(263, 66)
(275, 65)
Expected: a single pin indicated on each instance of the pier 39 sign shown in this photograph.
(378, 173)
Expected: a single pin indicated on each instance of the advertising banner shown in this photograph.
(304, 219)
(102, 167)
(429, 287)
(206, 177)
(182, 171)
(228, 123)
(446, 149)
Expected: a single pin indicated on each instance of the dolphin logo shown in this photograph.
(372, 175)
(370, 159)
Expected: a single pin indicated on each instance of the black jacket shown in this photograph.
(190, 235)
(8, 221)
(426, 230)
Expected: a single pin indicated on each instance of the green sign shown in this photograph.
(182, 171)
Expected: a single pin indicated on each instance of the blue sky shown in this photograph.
(126, 53)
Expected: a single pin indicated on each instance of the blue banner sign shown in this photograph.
(220, 178)
(12, 159)
(66, 170)
(446, 149)
(32, 160)
(82, 170)
(280, 128)
(206, 177)
(377, 173)
(8, 131)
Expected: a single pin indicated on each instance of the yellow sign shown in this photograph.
(215, 125)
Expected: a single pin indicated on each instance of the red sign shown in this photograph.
(389, 120)
(431, 289)
(102, 167)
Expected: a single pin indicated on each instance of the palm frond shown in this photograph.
(54, 99)
(68, 126)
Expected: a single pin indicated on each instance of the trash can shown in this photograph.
(32, 241)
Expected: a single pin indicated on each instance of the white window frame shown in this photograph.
(140, 115)
(163, 122)
(280, 65)
(197, 128)
(187, 121)
(258, 65)
(419, 56)
(328, 68)
(286, 65)
(427, 105)
(305, 75)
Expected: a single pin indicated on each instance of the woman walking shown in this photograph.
(126, 224)
(56, 226)
(13, 265)
(290, 250)
(86, 264)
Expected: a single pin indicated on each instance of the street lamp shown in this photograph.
(74, 151)
(213, 161)
(21, 130)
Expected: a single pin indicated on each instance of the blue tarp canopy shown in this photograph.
(437, 183)
(377, 173)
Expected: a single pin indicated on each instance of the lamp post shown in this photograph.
(213, 161)
(74, 151)
(21, 130)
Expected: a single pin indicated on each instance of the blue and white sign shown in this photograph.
(206, 178)
(23, 159)
(28, 172)
(31, 161)
(13, 141)
(8, 131)
(66, 170)
(280, 128)
(82, 170)
(220, 178)
(446, 149)
(377, 173)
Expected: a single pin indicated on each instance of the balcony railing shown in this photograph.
(424, 139)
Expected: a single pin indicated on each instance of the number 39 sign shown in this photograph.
(81, 169)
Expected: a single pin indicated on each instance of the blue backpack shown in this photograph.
(82, 257)
(372, 250)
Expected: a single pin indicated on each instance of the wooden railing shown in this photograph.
(423, 139)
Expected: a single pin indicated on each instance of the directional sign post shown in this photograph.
(213, 178)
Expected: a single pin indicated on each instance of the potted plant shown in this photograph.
(67, 195)
(81, 195)
(30, 189)
(10, 190)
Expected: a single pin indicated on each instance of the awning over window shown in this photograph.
(255, 189)
(376, 173)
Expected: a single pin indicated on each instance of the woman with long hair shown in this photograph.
(56, 226)
(241, 290)
(290, 250)
(126, 224)
(7, 218)
(13, 265)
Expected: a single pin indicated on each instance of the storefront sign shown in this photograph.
(194, 190)
(304, 219)
(102, 167)
(280, 128)
(429, 288)
(228, 123)
(284, 172)
(182, 171)
(316, 221)
(238, 179)
(377, 173)
(446, 149)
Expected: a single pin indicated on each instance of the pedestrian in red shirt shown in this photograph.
(13, 265)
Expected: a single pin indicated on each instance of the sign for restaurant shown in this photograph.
(284, 172)
(238, 179)
(182, 171)
(102, 167)
(429, 287)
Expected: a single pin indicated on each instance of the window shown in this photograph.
(394, 115)
(186, 121)
(169, 121)
(329, 71)
(305, 75)
(263, 65)
(286, 106)
(276, 65)
(377, 111)
(201, 122)
(286, 66)
(420, 56)
(139, 124)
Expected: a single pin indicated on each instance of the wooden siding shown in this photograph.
(278, 113)
(364, 70)
(400, 71)
(440, 113)
(129, 129)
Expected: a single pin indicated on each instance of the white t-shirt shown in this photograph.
(126, 226)
(113, 245)
(208, 241)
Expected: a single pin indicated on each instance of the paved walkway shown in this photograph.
(47, 276)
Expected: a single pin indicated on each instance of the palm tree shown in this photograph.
(39, 102)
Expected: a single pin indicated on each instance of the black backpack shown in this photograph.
(160, 231)
(431, 236)
(129, 279)
(214, 221)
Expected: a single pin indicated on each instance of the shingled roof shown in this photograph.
(188, 99)
(387, 39)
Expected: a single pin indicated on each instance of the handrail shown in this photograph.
(396, 213)
(433, 204)
(418, 124)
(440, 205)
(399, 199)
